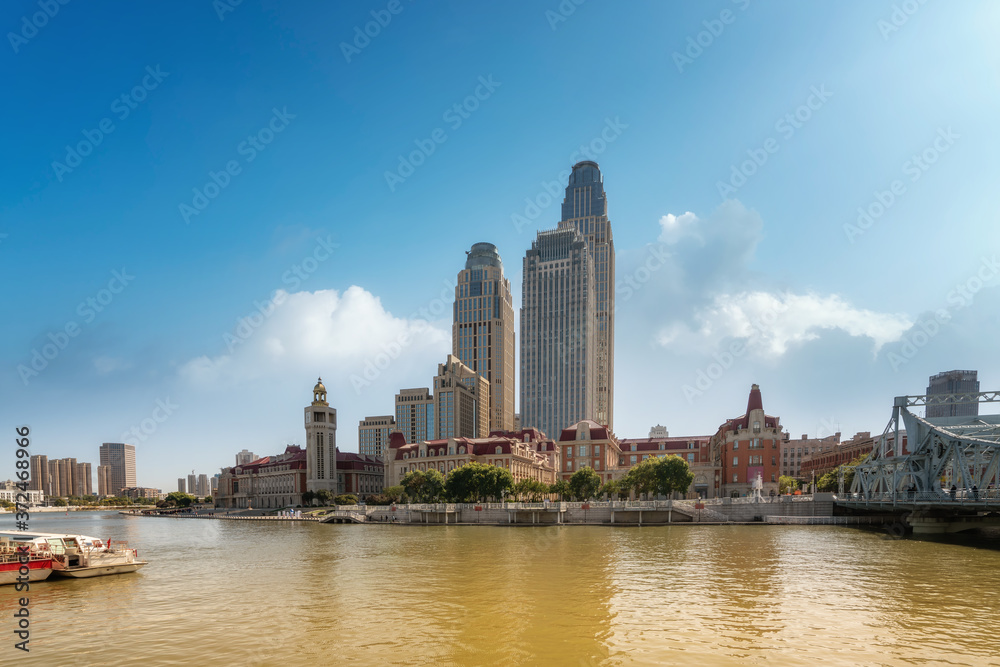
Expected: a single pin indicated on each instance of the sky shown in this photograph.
(206, 206)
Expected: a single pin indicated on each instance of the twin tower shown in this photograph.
(567, 317)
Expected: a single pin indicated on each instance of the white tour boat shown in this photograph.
(79, 555)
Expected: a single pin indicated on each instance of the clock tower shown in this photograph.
(321, 442)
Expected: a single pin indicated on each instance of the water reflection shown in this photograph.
(297, 593)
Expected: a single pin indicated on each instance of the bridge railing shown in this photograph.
(959, 496)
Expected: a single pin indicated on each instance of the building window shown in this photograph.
(772, 476)
(736, 460)
(499, 449)
(735, 477)
(632, 458)
(736, 445)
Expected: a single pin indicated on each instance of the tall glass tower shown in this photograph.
(482, 333)
(558, 332)
(585, 209)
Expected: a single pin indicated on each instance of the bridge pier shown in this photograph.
(937, 525)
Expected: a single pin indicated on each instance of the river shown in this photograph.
(267, 593)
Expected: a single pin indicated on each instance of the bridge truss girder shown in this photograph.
(967, 454)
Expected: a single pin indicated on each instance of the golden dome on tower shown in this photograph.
(319, 393)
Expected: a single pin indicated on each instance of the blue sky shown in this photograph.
(846, 316)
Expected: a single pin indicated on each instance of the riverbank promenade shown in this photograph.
(782, 510)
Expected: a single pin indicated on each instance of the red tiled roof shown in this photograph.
(597, 432)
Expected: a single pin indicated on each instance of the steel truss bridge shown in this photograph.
(947, 481)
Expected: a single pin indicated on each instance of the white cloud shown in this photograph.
(338, 334)
(770, 323)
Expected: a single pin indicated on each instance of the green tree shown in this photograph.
(208, 499)
(346, 499)
(560, 488)
(585, 483)
(787, 484)
(59, 502)
(611, 488)
(475, 482)
(393, 493)
(830, 482)
(324, 497)
(433, 489)
(424, 487)
(180, 499)
(413, 484)
(496, 483)
(530, 490)
(670, 474)
(308, 497)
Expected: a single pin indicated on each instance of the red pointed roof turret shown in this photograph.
(754, 402)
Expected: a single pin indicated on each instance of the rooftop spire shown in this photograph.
(754, 402)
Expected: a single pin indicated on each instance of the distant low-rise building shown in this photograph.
(362, 475)
(269, 482)
(695, 450)
(136, 492)
(847, 451)
(587, 444)
(526, 454)
(794, 451)
(9, 491)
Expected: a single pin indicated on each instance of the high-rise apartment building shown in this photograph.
(482, 332)
(953, 382)
(193, 484)
(83, 480)
(203, 488)
(461, 401)
(558, 332)
(63, 474)
(585, 209)
(415, 414)
(373, 435)
(104, 481)
(39, 473)
(245, 457)
(321, 442)
(121, 458)
(181, 486)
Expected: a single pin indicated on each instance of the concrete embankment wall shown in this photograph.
(680, 513)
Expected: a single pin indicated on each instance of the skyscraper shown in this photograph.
(203, 488)
(181, 486)
(953, 382)
(193, 484)
(415, 414)
(558, 332)
(39, 473)
(84, 480)
(482, 333)
(461, 401)
(585, 209)
(373, 435)
(104, 481)
(121, 458)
